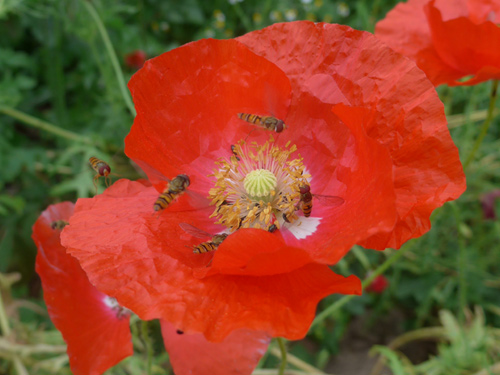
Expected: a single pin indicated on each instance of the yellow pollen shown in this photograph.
(260, 183)
(258, 188)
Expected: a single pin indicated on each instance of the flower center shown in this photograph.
(259, 183)
(258, 187)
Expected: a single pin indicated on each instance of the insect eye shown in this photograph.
(280, 126)
(304, 189)
(104, 170)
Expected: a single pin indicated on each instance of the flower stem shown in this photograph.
(282, 346)
(342, 301)
(148, 346)
(297, 362)
(4, 323)
(24, 350)
(46, 126)
(112, 56)
(486, 124)
(455, 121)
(20, 369)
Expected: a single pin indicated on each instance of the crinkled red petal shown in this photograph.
(146, 262)
(192, 354)
(466, 46)
(447, 40)
(421, 183)
(406, 115)
(406, 30)
(96, 336)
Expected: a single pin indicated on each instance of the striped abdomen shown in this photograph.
(212, 245)
(164, 200)
(268, 122)
(205, 247)
(306, 208)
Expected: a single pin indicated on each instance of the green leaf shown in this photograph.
(81, 184)
(14, 203)
(395, 363)
(451, 325)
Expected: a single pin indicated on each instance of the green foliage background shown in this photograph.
(54, 66)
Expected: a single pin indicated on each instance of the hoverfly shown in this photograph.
(58, 224)
(306, 198)
(102, 169)
(267, 122)
(205, 247)
(174, 188)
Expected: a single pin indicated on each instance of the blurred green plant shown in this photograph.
(469, 349)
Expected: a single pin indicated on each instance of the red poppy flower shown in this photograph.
(373, 169)
(448, 40)
(94, 327)
(135, 60)
(378, 285)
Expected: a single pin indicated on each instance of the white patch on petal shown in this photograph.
(303, 227)
(113, 304)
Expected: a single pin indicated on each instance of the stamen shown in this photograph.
(260, 188)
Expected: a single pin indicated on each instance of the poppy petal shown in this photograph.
(192, 354)
(136, 266)
(437, 168)
(462, 45)
(446, 38)
(97, 334)
(406, 30)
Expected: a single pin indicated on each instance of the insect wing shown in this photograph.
(329, 200)
(193, 231)
(153, 175)
(158, 180)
